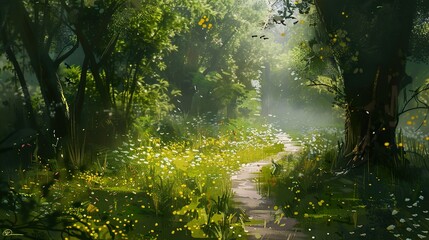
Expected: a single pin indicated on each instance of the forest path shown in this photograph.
(259, 209)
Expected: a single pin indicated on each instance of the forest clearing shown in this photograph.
(214, 119)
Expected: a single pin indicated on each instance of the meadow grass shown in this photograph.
(149, 188)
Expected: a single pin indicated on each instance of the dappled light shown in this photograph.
(228, 120)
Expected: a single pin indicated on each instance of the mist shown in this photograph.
(208, 119)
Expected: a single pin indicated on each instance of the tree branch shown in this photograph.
(109, 49)
(415, 97)
(60, 59)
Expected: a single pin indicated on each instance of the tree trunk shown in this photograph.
(378, 32)
(131, 97)
(80, 94)
(370, 129)
(266, 91)
(231, 108)
(43, 67)
(102, 87)
(18, 70)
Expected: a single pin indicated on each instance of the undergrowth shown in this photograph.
(366, 203)
(146, 188)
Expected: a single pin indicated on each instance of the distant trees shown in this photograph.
(104, 65)
(217, 58)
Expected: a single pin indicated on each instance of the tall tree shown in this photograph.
(370, 43)
(36, 27)
(146, 30)
(91, 22)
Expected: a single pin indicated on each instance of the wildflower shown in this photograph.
(390, 227)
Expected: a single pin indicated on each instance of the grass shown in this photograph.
(151, 187)
(148, 188)
(366, 203)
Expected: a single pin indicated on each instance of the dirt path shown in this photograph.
(258, 208)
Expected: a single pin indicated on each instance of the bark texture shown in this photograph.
(377, 33)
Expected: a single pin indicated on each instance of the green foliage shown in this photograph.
(146, 188)
(27, 214)
(250, 105)
(216, 58)
(125, 45)
(418, 46)
(151, 105)
(364, 202)
(71, 76)
(215, 92)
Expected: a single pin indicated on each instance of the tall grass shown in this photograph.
(150, 188)
(413, 150)
(76, 145)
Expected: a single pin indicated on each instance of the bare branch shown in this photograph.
(415, 97)
(60, 59)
